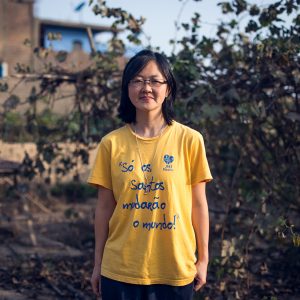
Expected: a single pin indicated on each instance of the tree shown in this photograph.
(241, 90)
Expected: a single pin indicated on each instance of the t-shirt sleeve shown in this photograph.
(200, 171)
(101, 171)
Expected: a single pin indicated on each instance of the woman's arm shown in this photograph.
(200, 219)
(104, 209)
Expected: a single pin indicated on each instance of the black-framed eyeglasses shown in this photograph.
(139, 83)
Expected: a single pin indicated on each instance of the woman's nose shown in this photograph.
(147, 86)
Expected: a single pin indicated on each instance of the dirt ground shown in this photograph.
(46, 249)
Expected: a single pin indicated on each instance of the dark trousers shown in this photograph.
(116, 290)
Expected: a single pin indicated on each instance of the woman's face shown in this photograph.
(148, 89)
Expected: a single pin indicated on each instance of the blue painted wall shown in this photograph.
(68, 37)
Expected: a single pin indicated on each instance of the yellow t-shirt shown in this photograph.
(151, 238)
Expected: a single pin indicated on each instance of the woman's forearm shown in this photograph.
(201, 228)
(200, 219)
(104, 210)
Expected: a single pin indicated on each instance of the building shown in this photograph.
(21, 33)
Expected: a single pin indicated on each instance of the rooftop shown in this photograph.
(76, 25)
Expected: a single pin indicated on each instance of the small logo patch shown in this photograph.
(168, 159)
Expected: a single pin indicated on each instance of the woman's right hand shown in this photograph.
(95, 281)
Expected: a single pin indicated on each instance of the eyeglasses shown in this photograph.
(139, 83)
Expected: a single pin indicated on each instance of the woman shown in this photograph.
(151, 215)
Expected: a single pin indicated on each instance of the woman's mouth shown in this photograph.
(146, 98)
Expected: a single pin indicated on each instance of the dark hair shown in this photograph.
(136, 64)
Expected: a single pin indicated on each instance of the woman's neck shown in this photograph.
(147, 126)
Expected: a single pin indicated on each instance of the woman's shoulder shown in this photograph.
(115, 134)
(187, 131)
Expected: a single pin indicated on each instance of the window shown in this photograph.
(3, 69)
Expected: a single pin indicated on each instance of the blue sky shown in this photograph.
(160, 16)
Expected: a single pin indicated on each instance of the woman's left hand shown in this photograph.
(200, 277)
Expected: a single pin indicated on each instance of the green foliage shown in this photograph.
(11, 102)
(3, 86)
(246, 102)
(73, 191)
(12, 127)
(13, 119)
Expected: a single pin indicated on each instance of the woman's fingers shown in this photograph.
(198, 283)
(95, 284)
(94, 287)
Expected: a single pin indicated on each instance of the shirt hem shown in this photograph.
(147, 281)
(202, 179)
(97, 183)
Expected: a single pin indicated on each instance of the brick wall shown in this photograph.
(15, 152)
(16, 25)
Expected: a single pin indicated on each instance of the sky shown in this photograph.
(160, 16)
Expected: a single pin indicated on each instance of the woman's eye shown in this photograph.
(138, 81)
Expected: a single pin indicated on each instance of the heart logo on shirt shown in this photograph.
(168, 159)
